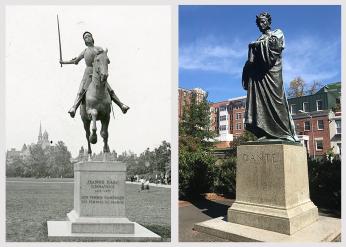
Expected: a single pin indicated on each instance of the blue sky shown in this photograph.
(213, 43)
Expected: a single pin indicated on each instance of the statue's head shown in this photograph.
(88, 38)
(263, 21)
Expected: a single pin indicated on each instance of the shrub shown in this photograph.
(196, 175)
(225, 176)
(325, 183)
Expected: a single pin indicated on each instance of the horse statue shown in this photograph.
(96, 105)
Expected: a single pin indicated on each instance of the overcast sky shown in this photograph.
(39, 90)
(214, 41)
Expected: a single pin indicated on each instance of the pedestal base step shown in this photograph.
(64, 229)
(325, 229)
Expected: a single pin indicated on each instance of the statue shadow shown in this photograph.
(212, 208)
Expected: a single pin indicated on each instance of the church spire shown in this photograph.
(40, 134)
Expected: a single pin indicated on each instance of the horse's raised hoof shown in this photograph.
(93, 138)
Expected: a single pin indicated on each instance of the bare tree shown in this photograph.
(314, 87)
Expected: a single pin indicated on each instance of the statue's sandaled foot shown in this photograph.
(124, 108)
(72, 112)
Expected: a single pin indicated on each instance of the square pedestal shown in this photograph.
(272, 188)
(99, 204)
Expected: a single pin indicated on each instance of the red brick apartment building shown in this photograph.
(317, 118)
(228, 120)
(185, 98)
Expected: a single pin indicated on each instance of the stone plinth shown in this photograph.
(99, 199)
(272, 188)
(272, 201)
(99, 205)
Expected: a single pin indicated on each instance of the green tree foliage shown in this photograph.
(245, 137)
(196, 174)
(225, 176)
(325, 183)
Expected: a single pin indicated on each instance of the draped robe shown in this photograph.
(267, 113)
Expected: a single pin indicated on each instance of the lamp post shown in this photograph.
(312, 131)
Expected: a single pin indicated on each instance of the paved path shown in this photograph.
(198, 211)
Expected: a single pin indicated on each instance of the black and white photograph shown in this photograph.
(88, 123)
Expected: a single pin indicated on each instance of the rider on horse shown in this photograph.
(89, 54)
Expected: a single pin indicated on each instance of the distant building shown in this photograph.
(43, 140)
(185, 96)
(227, 118)
(317, 119)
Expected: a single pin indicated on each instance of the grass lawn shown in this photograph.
(30, 203)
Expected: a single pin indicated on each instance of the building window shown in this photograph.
(338, 126)
(319, 145)
(223, 127)
(238, 116)
(293, 109)
(223, 118)
(320, 125)
(307, 126)
(223, 108)
(231, 127)
(238, 127)
(319, 105)
(306, 107)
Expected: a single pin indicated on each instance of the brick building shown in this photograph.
(185, 98)
(228, 120)
(317, 119)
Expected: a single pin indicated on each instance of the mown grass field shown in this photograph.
(30, 203)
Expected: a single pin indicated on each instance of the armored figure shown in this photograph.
(89, 54)
(267, 114)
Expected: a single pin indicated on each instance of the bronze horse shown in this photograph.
(96, 104)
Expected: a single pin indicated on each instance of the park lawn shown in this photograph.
(30, 203)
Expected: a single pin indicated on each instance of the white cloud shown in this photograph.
(209, 54)
(312, 59)
(308, 57)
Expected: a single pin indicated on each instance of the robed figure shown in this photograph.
(267, 114)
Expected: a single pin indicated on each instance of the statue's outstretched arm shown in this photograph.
(74, 60)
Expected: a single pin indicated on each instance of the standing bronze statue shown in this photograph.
(89, 54)
(267, 114)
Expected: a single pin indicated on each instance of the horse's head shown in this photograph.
(101, 65)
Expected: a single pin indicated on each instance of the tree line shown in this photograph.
(52, 161)
(55, 161)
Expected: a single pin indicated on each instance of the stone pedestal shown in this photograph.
(272, 198)
(99, 205)
(272, 188)
(99, 199)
